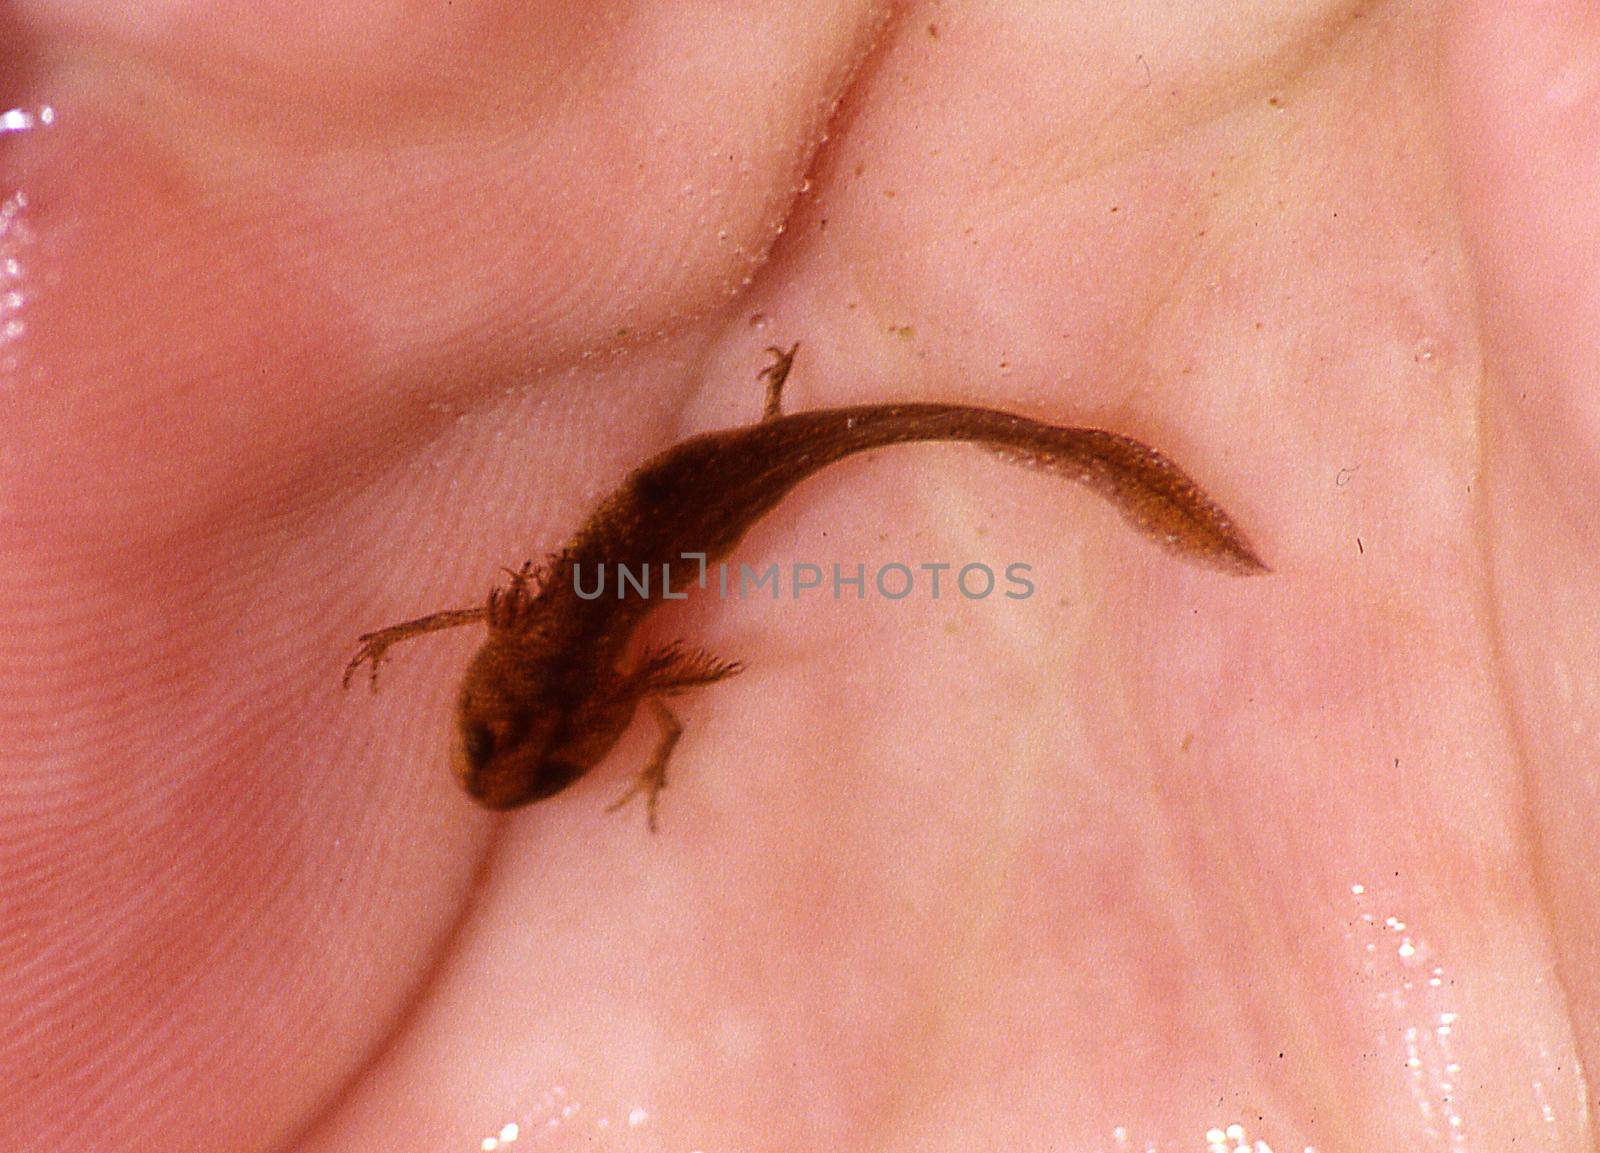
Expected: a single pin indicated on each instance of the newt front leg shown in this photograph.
(653, 777)
(663, 673)
(374, 645)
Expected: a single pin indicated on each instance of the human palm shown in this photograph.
(313, 322)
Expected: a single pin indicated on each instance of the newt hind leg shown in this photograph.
(666, 672)
(775, 374)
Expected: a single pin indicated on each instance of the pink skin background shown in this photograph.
(314, 316)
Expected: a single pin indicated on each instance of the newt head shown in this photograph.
(506, 726)
(507, 716)
(530, 719)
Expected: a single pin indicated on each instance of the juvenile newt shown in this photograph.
(549, 692)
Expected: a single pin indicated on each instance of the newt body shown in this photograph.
(548, 694)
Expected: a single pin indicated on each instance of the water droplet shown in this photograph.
(17, 120)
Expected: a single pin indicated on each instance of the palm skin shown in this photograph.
(317, 324)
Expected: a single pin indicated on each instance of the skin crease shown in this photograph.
(323, 321)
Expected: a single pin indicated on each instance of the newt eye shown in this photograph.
(477, 742)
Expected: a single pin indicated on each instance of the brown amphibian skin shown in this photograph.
(549, 693)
